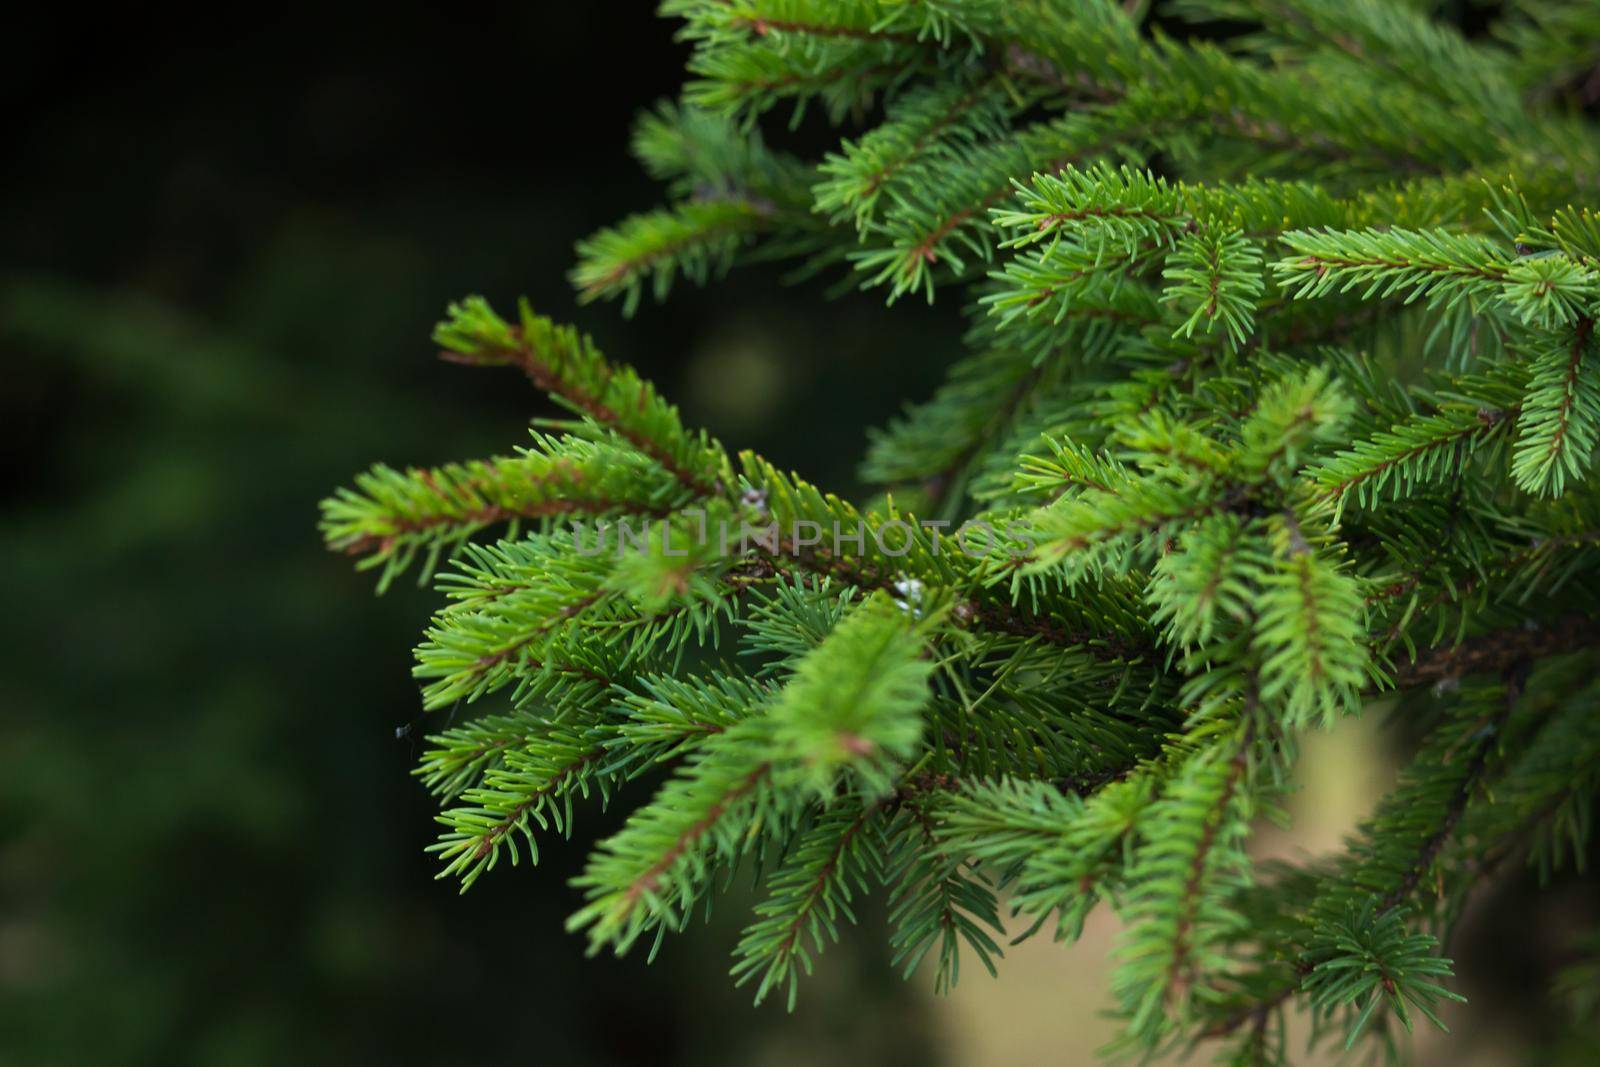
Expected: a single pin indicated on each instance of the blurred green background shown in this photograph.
(223, 252)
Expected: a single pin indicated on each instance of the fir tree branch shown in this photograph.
(1560, 419)
(390, 516)
(813, 886)
(566, 365)
(468, 856)
(695, 238)
(1214, 504)
(1189, 898)
(761, 26)
(1494, 653)
(647, 881)
(1515, 676)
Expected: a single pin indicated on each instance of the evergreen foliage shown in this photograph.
(1281, 404)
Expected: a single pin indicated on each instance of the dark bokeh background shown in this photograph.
(224, 249)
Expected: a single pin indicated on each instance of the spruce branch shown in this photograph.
(1560, 421)
(828, 864)
(938, 903)
(1493, 653)
(389, 517)
(565, 364)
(1190, 855)
(697, 239)
(1369, 959)
(648, 875)
(1278, 400)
